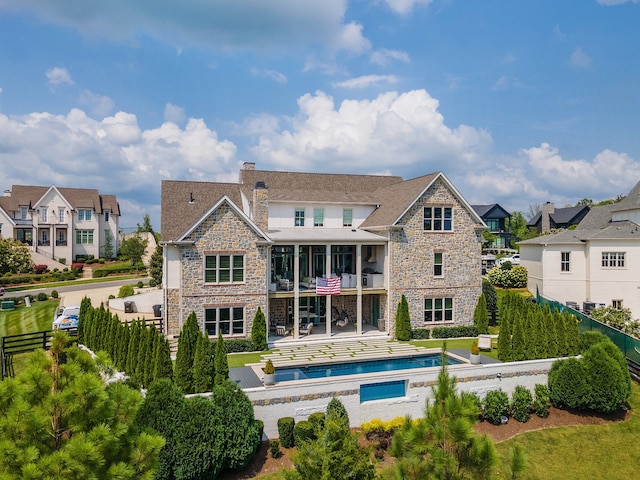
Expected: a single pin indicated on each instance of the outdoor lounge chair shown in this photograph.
(344, 320)
(307, 330)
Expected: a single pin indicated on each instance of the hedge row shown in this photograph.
(59, 276)
(111, 270)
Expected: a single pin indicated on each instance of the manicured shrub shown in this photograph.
(477, 401)
(481, 315)
(186, 353)
(259, 331)
(152, 283)
(490, 295)
(335, 409)
(541, 400)
(403, 320)
(590, 338)
(54, 294)
(496, 406)
(609, 377)
(454, 332)
(125, 291)
(39, 269)
(303, 431)
(238, 345)
(42, 297)
(568, 384)
(274, 448)
(285, 431)
(420, 333)
(505, 277)
(521, 400)
(317, 420)
(140, 284)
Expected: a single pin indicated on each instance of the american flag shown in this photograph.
(328, 286)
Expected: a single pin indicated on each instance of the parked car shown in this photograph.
(1, 291)
(514, 259)
(68, 319)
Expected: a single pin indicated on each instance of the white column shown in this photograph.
(296, 291)
(327, 269)
(359, 289)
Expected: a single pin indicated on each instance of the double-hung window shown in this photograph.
(299, 217)
(437, 264)
(438, 309)
(84, 237)
(318, 217)
(565, 265)
(224, 268)
(225, 320)
(61, 214)
(43, 215)
(438, 219)
(84, 214)
(613, 259)
(347, 217)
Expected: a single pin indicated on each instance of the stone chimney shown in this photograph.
(545, 219)
(248, 166)
(261, 206)
(7, 193)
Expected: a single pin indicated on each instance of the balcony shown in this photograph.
(44, 243)
(61, 243)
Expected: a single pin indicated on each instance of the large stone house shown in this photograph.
(598, 263)
(231, 248)
(60, 223)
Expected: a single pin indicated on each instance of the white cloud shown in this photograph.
(174, 113)
(271, 74)
(100, 105)
(405, 7)
(580, 59)
(384, 57)
(397, 132)
(230, 25)
(113, 155)
(59, 76)
(366, 81)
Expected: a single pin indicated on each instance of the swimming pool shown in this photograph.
(326, 370)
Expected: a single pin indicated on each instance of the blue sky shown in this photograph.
(518, 103)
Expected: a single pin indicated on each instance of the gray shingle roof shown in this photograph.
(631, 201)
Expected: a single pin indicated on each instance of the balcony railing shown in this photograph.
(44, 243)
(61, 243)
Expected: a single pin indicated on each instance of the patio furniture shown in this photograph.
(484, 342)
(344, 321)
(307, 330)
(284, 284)
(281, 330)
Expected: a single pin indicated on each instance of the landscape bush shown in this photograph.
(495, 406)
(42, 297)
(302, 432)
(521, 401)
(541, 400)
(238, 345)
(54, 294)
(286, 426)
(454, 332)
(515, 277)
(40, 269)
(140, 284)
(421, 333)
(125, 291)
(317, 420)
(274, 448)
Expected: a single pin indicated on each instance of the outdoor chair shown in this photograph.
(307, 330)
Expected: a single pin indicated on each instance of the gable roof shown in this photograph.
(631, 201)
(30, 195)
(562, 216)
(183, 203)
(491, 211)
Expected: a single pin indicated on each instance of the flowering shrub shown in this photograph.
(39, 269)
(516, 277)
(78, 266)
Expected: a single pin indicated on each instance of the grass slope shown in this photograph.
(24, 319)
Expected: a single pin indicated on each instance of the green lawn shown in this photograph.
(23, 319)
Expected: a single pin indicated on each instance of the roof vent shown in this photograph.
(191, 199)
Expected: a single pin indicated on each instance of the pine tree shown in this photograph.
(186, 352)
(203, 366)
(163, 367)
(259, 331)
(530, 347)
(573, 333)
(481, 315)
(444, 443)
(85, 311)
(561, 332)
(149, 359)
(134, 346)
(145, 344)
(504, 337)
(220, 361)
(403, 320)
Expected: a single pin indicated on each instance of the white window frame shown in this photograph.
(235, 324)
(84, 215)
(61, 214)
(613, 259)
(318, 217)
(219, 269)
(565, 262)
(436, 310)
(438, 264)
(85, 236)
(347, 218)
(43, 215)
(298, 219)
(438, 218)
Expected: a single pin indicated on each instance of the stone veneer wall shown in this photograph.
(224, 232)
(411, 261)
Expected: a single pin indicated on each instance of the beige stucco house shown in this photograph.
(230, 248)
(596, 264)
(60, 223)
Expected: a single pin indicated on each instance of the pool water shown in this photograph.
(285, 374)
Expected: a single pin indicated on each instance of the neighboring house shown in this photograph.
(498, 220)
(597, 263)
(231, 248)
(552, 217)
(60, 223)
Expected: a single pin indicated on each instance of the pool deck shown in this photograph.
(322, 352)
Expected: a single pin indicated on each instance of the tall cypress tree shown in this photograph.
(132, 352)
(561, 332)
(163, 367)
(518, 350)
(149, 359)
(145, 344)
(203, 366)
(573, 333)
(403, 320)
(481, 315)
(186, 353)
(504, 337)
(259, 331)
(85, 311)
(220, 361)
